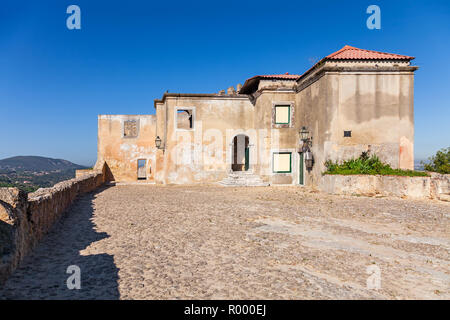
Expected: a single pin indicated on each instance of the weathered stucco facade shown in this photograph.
(351, 101)
(122, 152)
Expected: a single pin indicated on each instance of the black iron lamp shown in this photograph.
(307, 143)
(158, 142)
(304, 134)
(305, 138)
(309, 160)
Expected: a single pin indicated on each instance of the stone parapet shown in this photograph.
(25, 219)
(436, 186)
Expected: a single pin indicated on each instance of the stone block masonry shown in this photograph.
(26, 218)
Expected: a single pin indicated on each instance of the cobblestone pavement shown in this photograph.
(211, 242)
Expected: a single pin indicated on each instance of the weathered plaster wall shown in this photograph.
(120, 153)
(378, 109)
(25, 219)
(191, 156)
(376, 106)
(372, 99)
(275, 84)
(273, 137)
(434, 187)
(316, 110)
(203, 153)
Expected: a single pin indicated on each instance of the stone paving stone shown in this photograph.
(212, 242)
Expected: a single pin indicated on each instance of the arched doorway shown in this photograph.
(241, 153)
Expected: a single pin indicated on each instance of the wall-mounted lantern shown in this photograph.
(304, 134)
(309, 160)
(158, 142)
(305, 138)
(306, 147)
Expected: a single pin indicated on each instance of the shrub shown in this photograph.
(366, 164)
(440, 162)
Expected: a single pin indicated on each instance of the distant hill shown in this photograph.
(37, 164)
(30, 173)
(418, 166)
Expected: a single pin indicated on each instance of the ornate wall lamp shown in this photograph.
(306, 147)
(158, 142)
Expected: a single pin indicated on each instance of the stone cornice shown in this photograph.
(324, 69)
(254, 96)
(213, 96)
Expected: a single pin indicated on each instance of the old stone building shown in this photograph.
(275, 129)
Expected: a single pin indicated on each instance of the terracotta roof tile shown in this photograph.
(352, 53)
(251, 84)
(346, 53)
(280, 76)
(286, 76)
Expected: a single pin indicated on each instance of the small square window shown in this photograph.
(282, 114)
(347, 134)
(130, 129)
(282, 162)
(185, 119)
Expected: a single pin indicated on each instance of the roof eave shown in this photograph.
(406, 58)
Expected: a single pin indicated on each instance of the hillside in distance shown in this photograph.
(30, 173)
(36, 164)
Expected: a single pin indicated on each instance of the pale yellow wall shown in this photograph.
(122, 154)
(192, 156)
(379, 111)
(316, 110)
(273, 137)
(376, 106)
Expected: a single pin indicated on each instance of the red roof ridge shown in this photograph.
(284, 75)
(345, 48)
(345, 53)
(378, 54)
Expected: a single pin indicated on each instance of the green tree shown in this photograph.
(440, 162)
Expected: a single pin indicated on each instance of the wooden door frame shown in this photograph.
(145, 169)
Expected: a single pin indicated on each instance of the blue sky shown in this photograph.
(54, 81)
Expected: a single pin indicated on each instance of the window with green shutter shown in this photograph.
(281, 162)
(282, 114)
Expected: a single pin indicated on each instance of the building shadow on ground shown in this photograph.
(43, 274)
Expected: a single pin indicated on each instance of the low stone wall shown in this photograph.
(25, 219)
(440, 186)
(82, 172)
(436, 186)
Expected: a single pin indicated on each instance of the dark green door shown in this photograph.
(247, 156)
(300, 178)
